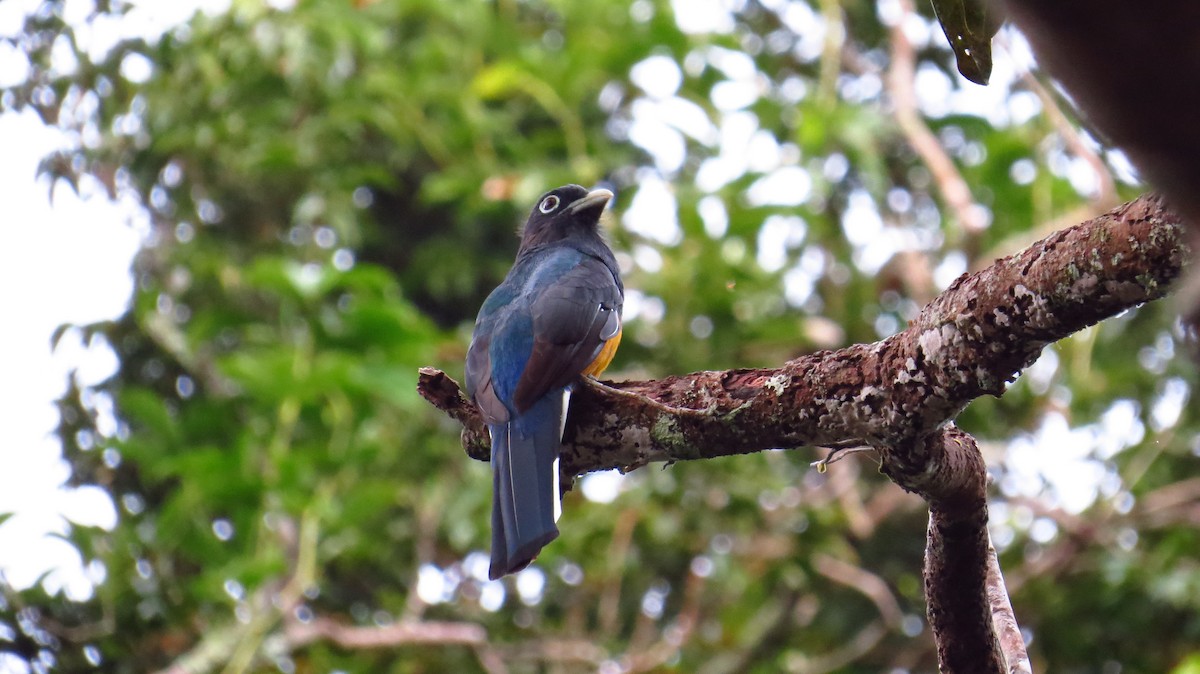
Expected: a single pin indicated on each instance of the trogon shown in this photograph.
(556, 316)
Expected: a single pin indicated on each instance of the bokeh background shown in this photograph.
(242, 477)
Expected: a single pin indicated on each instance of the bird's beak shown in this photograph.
(595, 199)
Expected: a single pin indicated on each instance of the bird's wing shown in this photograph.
(572, 318)
(479, 383)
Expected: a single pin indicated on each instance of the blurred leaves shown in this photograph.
(329, 192)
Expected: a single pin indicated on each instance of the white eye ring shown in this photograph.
(548, 204)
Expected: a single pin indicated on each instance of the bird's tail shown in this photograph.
(525, 499)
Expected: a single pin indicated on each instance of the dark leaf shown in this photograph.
(969, 26)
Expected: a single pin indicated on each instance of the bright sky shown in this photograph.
(61, 262)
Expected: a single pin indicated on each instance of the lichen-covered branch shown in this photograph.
(956, 556)
(898, 396)
(969, 341)
(1134, 103)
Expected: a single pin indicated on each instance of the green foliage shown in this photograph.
(333, 189)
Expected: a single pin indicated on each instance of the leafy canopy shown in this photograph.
(333, 189)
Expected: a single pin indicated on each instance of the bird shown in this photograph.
(554, 318)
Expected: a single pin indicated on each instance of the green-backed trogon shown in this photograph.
(556, 316)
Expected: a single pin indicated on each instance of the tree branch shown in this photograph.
(969, 341)
(956, 558)
(870, 585)
(492, 656)
(300, 634)
(898, 396)
(1131, 95)
(1106, 186)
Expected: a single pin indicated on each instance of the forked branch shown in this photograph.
(898, 396)
(969, 341)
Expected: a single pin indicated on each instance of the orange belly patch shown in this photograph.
(597, 366)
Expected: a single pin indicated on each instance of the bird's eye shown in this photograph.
(548, 204)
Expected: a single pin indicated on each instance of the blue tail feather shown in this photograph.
(524, 462)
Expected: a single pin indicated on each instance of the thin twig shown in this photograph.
(862, 643)
(946, 175)
(1181, 493)
(490, 660)
(1106, 188)
(845, 484)
(775, 621)
(320, 628)
(831, 51)
(581, 651)
(609, 611)
(837, 455)
(675, 636)
(868, 584)
(425, 519)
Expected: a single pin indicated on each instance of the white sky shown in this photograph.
(66, 262)
(63, 264)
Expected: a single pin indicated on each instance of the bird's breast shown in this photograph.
(602, 359)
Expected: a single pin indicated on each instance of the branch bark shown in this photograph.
(897, 396)
(968, 342)
(956, 558)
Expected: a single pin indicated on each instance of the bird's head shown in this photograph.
(564, 212)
